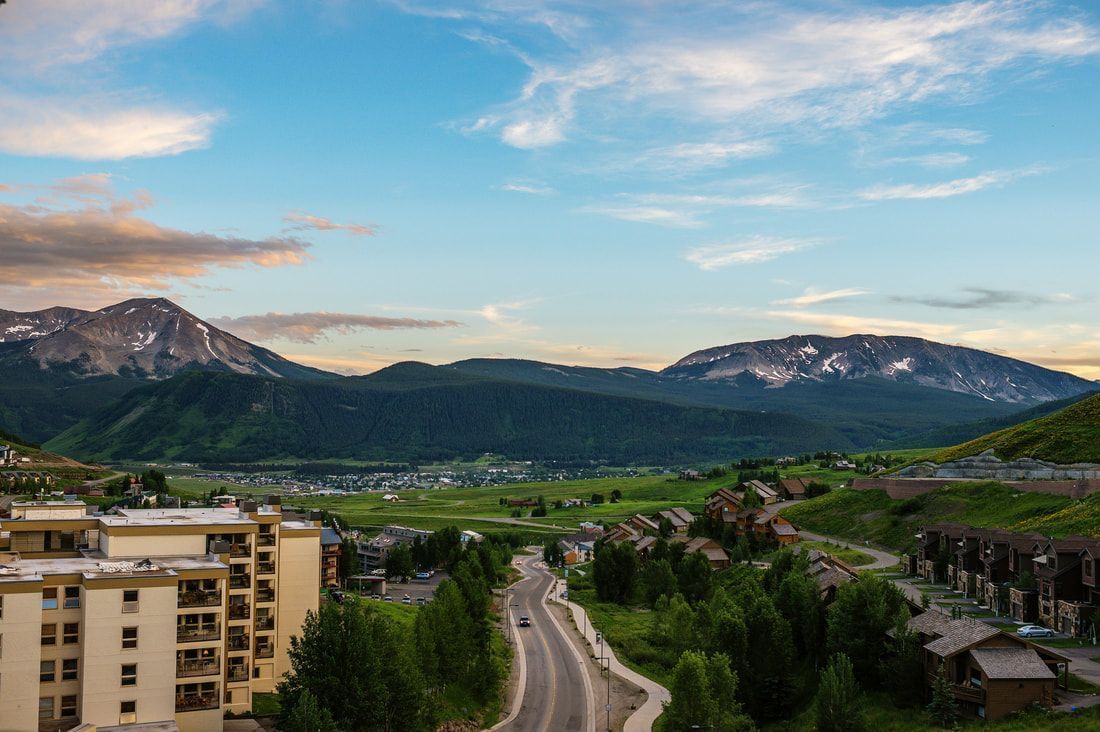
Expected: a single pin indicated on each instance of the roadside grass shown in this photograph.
(627, 630)
(873, 516)
(848, 555)
(1082, 686)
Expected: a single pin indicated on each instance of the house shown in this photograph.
(680, 518)
(642, 524)
(591, 529)
(690, 475)
(766, 493)
(792, 489)
(931, 540)
(991, 673)
(522, 503)
(780, 530)
(1058, 573)
(331, 550)
(996, 578)
(966, 567)
(391, 498)
(721, 502)
(468, 536)
(7, 456)
(709, 548)
(620, 533)
(829, 573)
(373, 552)
(844, 465)
(574, 503)
(785, 461)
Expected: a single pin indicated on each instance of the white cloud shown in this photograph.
(648, 215)
(930, 160)
(55, 95)
(302, 221)
(813, 296)
(88, 131)
(945, 189)
(753, 250)
(766, 65)
(534, 189)
(834, 324)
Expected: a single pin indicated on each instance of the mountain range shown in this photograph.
(145, 378)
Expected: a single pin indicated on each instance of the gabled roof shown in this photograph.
(960, 635)
(644, 542)
(784, 529)
(794, 485)
(1011, 663)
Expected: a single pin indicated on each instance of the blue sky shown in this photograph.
(357, 183)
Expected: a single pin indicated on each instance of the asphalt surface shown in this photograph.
(555, 696)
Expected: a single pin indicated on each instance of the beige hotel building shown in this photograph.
(162, 617)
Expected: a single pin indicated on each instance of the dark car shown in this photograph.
(524, 621)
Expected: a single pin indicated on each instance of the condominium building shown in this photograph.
(166, 616)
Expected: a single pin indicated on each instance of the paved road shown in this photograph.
(556, 694)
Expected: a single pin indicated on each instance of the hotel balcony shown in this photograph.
(238, 643)
(265, 623)
(265, 540)
(265, 567)
(197, 667)
(198, 598)
(240, 581)
(237, 673)
(197, 633)
(265, 594)
(237, 551)
(239, 612)
(265, 650)
(197, 702)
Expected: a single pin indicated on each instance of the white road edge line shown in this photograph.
(589, 693)
(521, 684)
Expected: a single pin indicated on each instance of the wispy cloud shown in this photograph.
(752, 250)
(534, 189)
(930, 160)
(979, 298)
(660, 215)
(813, 296)
(946, 189)
(776, 67)
(301, 221)
(310, 327)
(837, 324)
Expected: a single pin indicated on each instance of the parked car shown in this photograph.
(524, 621)
(423, 575)
(376, 596)
(1034, 631)
(387, 598)
(421, 601)
(337, 596)
(406, 601)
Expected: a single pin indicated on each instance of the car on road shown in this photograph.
(524, 621)
(421, 601)
(1034, 631)
(376, 596)
(406, 601)
(387, 598)
(423, 575)
(565, 594)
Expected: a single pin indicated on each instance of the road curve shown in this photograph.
(557, 694)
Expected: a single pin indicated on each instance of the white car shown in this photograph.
(1034, 631)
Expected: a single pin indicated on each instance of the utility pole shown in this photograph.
(608, 694)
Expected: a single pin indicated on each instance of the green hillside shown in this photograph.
(421, 413)
(873, 516)
(1070, 435)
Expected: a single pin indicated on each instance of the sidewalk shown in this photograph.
(642, 720)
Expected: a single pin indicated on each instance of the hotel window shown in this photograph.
(49, 634)
(68, 706)
(45, 707)
(130, 601)
(129, 674)
(46, 671)
(49, 598)
(71, 633)
(68, 669)
(72, 597)
(127, 712)
(129, 638)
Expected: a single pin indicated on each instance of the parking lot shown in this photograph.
(415, 588)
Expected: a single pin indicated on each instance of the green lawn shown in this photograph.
(265, 704)
(851, 557)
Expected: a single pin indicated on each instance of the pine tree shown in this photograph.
(943, 708)
(839, 706)
(309, 716)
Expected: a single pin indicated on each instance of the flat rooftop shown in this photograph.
(95, 564)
